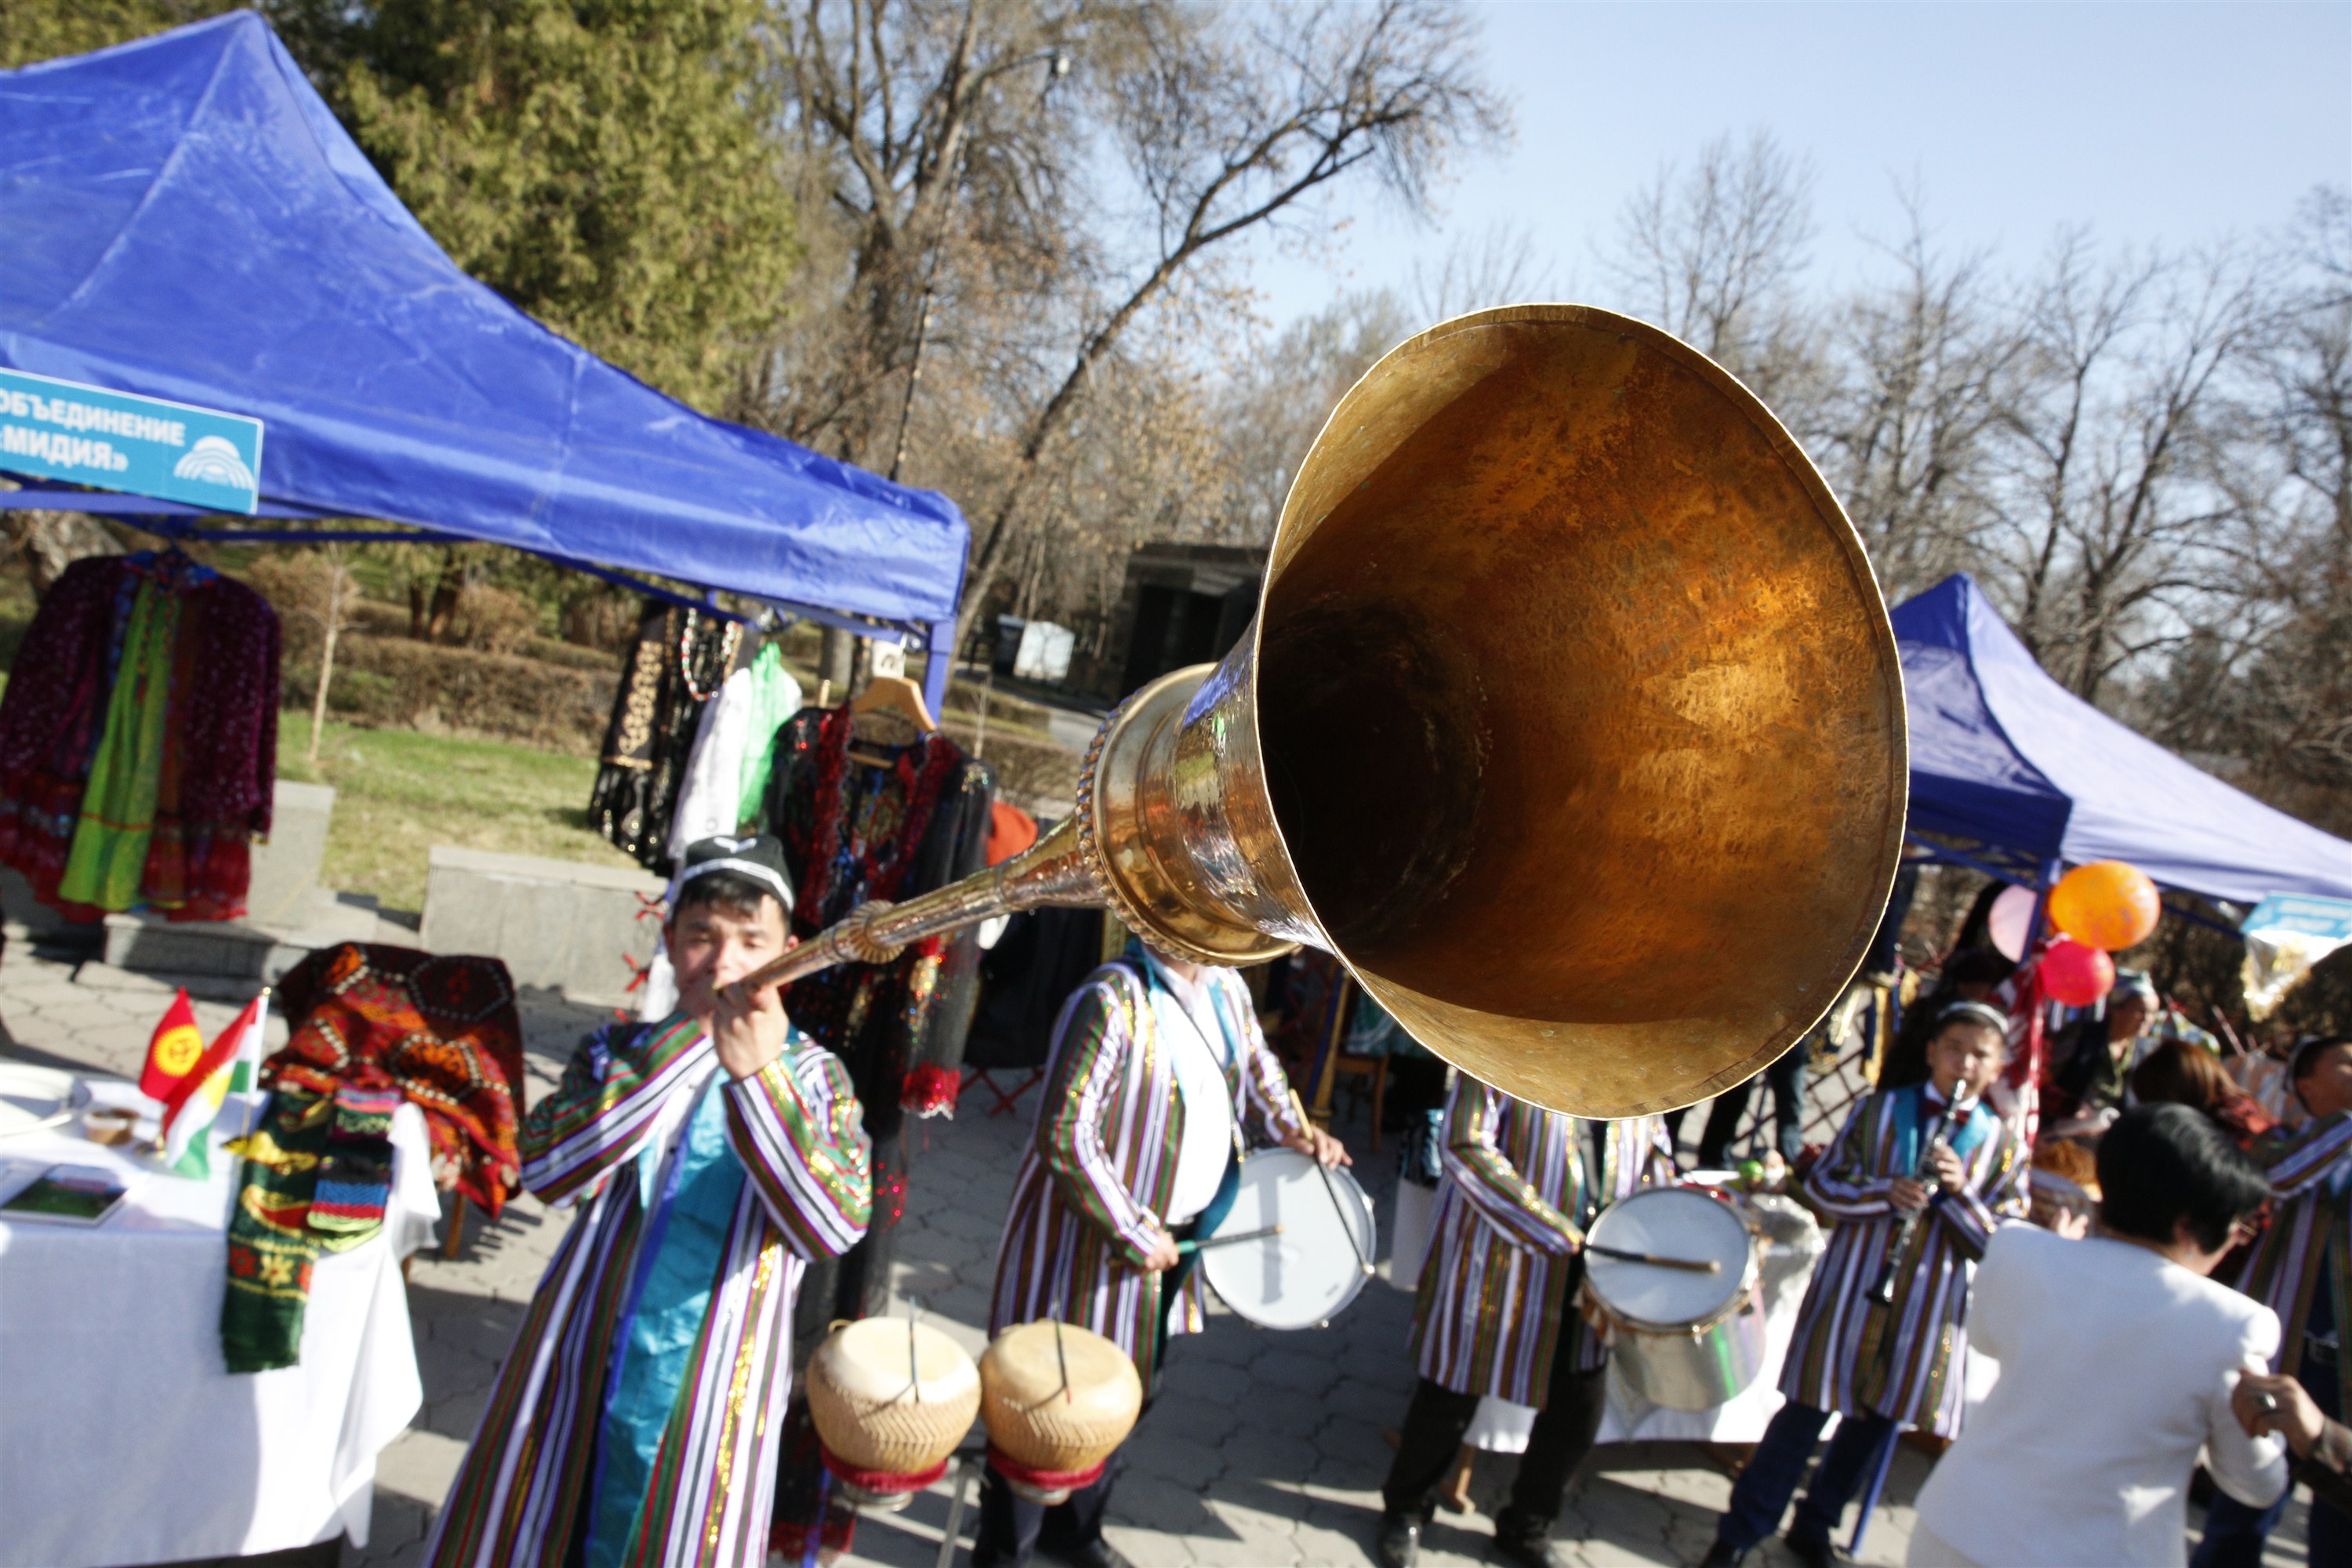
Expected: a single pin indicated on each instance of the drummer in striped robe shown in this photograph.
(1496, 1314)
(1932, 1150)
(709, 1154)
(1160, 1077)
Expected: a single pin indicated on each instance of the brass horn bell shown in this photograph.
(1571, 721)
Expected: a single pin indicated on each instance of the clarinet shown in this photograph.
(1908, 1225)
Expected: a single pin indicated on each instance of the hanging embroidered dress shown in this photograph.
(676, 665)
(139, 739)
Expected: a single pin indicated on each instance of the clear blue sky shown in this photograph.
(2175, 124)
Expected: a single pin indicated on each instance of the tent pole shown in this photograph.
(2052, 870)
(939, 653)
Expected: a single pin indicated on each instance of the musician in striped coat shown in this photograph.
(2301, 1268)
(1496, 1311)
(709, 1154)
(1934, 1151)
(1160, 1077)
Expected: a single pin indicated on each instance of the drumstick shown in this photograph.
(1696, 1265)
(1347, 1222)
(1222, 1240)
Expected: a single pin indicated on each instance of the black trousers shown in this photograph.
(1787, 1079)
(1010, 1526)
(1436, 1421)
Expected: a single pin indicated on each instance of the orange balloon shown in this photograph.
(2075, 974)
(2106, 904)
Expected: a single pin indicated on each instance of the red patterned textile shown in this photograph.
(220, 756)
(50, 719)
(443, 1031)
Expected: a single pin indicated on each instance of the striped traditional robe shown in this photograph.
(1839, 1357)
(2310, 1169)
(1493, 1288)
(796, 1129)
(1098, 1171)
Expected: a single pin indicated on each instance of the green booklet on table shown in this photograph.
(67, 1195)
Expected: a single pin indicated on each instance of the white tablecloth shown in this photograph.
(124, 1439)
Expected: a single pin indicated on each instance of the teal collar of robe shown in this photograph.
(1916, 1107)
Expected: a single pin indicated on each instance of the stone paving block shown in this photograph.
(420, 1465)
(395, 1535)
(1150, 1549)
(1219, 1383)
(1292, 1375)
(1154, 1503)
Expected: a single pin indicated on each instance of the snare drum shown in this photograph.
(1299, 1277)
(1684, 1339)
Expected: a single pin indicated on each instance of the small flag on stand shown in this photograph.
(173, 1050)
(195, 1102)
(250, 1028)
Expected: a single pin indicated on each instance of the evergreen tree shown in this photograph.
(608, 166)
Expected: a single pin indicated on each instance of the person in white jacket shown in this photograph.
(2117, 1359)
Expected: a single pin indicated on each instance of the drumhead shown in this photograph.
(1669, 1222)
(1300, 1278)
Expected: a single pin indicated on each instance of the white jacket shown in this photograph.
(2116, 1369)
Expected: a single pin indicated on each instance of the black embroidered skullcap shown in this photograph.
(759, 856)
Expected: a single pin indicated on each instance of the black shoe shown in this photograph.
(1528, 1550)
(1095, 1554)
(1399, 1543)
(1723, 1554)
(1813, 1554)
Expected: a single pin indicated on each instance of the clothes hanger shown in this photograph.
(889, 702)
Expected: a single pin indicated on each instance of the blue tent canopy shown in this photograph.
(183, 217)
(2006, 760)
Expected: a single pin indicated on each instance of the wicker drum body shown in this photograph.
(890, 1396)
(1041, 1419)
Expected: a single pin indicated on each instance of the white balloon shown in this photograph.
(2010, 917)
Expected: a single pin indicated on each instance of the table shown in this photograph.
(123, 1438)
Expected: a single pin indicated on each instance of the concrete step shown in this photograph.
(244, 952)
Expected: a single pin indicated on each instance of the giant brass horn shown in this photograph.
(1571, 721)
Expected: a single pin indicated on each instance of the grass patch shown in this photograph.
(400, 792)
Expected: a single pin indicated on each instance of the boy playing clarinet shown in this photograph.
(1917, 1181)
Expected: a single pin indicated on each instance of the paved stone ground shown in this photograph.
(1263, 1450)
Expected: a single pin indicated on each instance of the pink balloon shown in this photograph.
(2010, 917)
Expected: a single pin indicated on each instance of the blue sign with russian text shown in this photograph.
(119, 441)
(2304, 914)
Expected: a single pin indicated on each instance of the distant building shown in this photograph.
(1183, 603)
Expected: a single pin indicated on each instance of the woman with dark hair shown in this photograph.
(2079, 1454)
(2182, 1072)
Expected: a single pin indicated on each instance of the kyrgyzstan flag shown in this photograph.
(173, 1052)
(195, 1103)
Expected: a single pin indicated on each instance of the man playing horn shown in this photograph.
(1495, 1314)
(1159, 1074)
(635, 1419)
